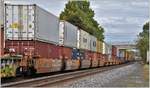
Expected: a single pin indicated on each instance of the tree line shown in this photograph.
(81, 15)
(143, 41)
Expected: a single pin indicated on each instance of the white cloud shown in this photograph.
(121, 16)
(139, 4)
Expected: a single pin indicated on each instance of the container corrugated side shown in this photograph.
(19, 22)
(107, 49)
(98, 46)
(101, 47)
(84, 40)
(92, 43)
(104, 48)
(68, 34)
(1, 12)
(37, 48)
(61, 33)
(1, 43)
(78, 39)
(47, 26)
(29, 21)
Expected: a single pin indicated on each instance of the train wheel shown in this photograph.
(18, 72)
(31, 71)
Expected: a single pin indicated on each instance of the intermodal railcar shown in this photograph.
(46, 44)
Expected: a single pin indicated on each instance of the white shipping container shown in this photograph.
(68, 34)
(107, 49)
(1, 12)
(29, 21)
(104, 48)
(84, 40)
(92, 43)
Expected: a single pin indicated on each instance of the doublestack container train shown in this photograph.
(36, 41)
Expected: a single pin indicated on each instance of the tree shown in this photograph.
(143, 41)
(80, 14)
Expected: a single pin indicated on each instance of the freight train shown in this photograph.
(36, 41)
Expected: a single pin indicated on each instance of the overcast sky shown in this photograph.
(121, 19)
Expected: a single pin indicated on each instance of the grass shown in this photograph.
(146, 72)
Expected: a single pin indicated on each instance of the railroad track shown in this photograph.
(41, 81)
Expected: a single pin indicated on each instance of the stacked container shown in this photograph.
(1, 28)
(1, 42)
(84, 40)
(68, 34)
(107, 50)
(101, 47)
(92, 43)
(30, 22)
(98, 46)
(31, 28)
(68, 38)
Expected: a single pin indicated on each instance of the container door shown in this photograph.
(19, 22)
(61, 33)
(24, 22)
(31, 20)
(8, 22)
(15, 24)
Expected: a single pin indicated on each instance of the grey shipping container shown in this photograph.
(92, 43)
(68, 34)
(30, 22)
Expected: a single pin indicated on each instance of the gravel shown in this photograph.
(105, 79)
(102, 79)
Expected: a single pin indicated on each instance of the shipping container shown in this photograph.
(88, 54)
(98, 46)
(83, 54)
(95, 59)
(92, 43)
(101, 47)
(72, 64)
(35, 48)
(44, 65)
(121, 53)
(129, 55)
(65, 52)
(95, 63)
(107, 49)
(102, 60)
(75, 53)
(1, 42)
(85, 63)
(114, 50)
(1, 28)
(104, 48)
(83, 40)
(67, 34)
(30, 22)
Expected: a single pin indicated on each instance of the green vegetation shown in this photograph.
(143, 42)
(7, 71)
(80, 14)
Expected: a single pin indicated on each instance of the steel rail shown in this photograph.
(41, 81)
